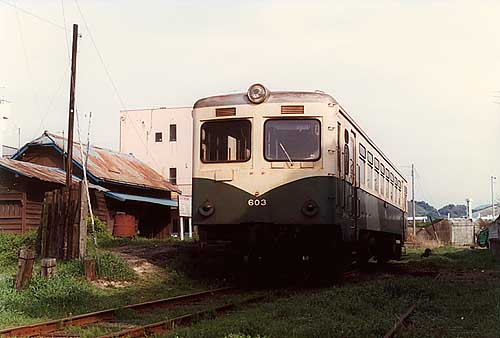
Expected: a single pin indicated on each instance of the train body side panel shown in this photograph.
(284, 205)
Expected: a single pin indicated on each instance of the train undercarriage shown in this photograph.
(306, 244)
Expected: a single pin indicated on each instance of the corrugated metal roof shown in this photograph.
(108, 165)
(126, 197)
(40, 172)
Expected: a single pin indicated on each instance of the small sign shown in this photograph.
(184, 206)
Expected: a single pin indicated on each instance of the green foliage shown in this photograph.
(10, 244)
(103, 235)
(110, 266)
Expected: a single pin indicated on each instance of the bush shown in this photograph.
(10, 244)
(103, 235)
(112, 267)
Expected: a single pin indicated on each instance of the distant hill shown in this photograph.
(459, 210)
(423, 208)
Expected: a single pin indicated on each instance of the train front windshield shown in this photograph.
(292, 140)
(226, 141)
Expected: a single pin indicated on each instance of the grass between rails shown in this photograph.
(68, 293)
(464, 301)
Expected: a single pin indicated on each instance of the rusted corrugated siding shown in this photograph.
(43, 173)
(111, 166)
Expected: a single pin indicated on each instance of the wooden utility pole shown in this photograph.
(69, 159)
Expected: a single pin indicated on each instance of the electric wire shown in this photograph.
(52, 100)
(32, 14)
(26, 60)
(85, 179)
(110, 79)
(66, 38)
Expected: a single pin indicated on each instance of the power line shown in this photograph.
(100, 55)
(108, 74)
(51, 102)
(32, 14)
(28, 68)
(66, 39)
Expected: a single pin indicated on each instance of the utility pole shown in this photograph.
(19, 138)
(493, 178)
(69, 159)
(413, 199)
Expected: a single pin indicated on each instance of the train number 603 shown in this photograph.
(257, 202)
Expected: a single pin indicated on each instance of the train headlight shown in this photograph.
(310, 208)
(257, 93)
(206, 209)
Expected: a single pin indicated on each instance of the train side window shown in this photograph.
(382, 170)
(375, 176)
(346, 160)
(362, 150)
(370, 158)
(346, 136)
(361, 171)
(387, 189)
(369, 176)
(226, 141)
(339, 156)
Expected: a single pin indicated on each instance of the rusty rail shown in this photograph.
(104, 315)
(399, 322)
(170, 325)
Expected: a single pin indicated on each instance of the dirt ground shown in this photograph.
(146, 260)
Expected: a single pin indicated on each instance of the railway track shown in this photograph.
(169, 325)
(54, 328)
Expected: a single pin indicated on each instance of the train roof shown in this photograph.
(274, 97)
(289, 97)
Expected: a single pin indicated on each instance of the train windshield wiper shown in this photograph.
(286, 153)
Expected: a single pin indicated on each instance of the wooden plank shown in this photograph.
(44, 226)
(24, 268)
(48, 267)
(23, 210)
(89, 264)
(84, 215)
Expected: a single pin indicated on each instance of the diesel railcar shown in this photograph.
(292, 173)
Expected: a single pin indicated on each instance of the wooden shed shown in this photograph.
(22, 190)
(131, 186)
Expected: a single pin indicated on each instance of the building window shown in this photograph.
(173, 132)
(172, 175)
(159, 137)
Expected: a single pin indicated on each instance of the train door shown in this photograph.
(355, 186)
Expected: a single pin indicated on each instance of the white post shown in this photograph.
(413, 199)
(493, 178)
(190, 227)
(181, 221)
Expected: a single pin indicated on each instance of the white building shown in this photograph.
(161, 137)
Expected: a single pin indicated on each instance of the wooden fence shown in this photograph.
(63, 232)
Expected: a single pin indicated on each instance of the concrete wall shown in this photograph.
(462, 232)
(137, 136)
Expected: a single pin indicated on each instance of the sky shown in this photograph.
(420, 77)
